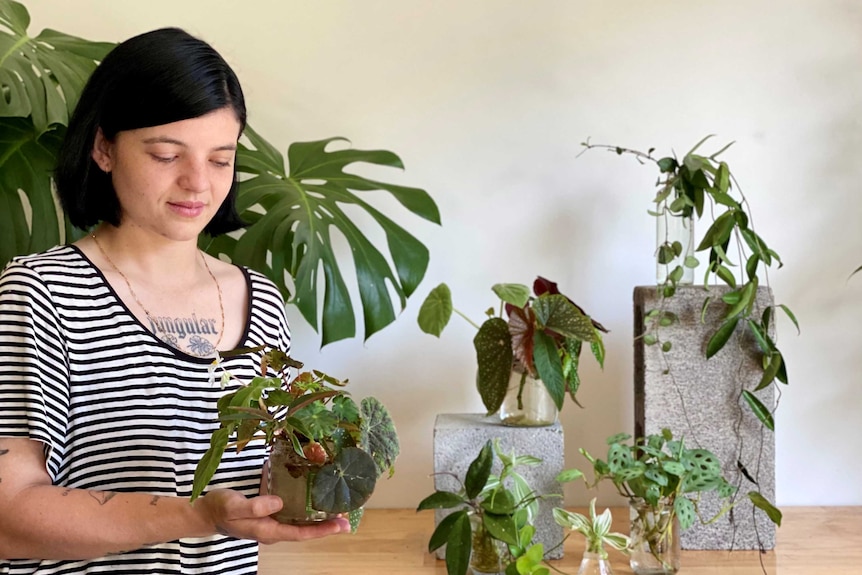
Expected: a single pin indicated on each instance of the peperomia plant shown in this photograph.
(688, 189)
(543, 332)
(491, 509)
(349, 446)
(667, 477)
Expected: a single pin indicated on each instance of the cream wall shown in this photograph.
(487, 101)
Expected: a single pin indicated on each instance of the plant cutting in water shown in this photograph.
(543, 332)
(344, 447)
(490, 509)
(699, 186)
(669, 479)
(596, 529)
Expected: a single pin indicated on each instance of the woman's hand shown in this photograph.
(231, 513)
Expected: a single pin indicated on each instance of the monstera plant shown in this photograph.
(292, 209)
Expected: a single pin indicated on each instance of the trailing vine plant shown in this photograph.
(688, 189)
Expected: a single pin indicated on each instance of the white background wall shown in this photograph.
(487, 101)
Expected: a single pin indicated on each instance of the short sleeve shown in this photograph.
(34, 372)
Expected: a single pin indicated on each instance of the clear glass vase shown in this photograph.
(527, 402)
(595, 564)
(671, 228)
(290, 477)
(487, 553)
(654, 538)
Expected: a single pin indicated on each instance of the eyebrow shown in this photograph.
(166, 140)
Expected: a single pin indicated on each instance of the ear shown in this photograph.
(102, 150)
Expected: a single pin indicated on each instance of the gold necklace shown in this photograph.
(146, 312)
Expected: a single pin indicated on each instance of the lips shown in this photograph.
(187, 209)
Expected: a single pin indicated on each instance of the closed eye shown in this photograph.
(163, 159)
(221, 163)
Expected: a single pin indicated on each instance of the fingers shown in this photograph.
(248, 518)
(282, 532)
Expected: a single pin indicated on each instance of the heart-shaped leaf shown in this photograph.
(344, 484)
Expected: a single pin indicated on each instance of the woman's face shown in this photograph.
(171, 179)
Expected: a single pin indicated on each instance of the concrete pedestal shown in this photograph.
(701, 400)
(458, 438)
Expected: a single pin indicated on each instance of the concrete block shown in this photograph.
(458, 437)
(701, 400)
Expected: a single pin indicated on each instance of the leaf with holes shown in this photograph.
(685, 511)
(619, 457)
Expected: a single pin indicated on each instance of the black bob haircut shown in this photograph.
(152, 79)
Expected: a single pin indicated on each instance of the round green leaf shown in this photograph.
(344, 484)
(436, 310)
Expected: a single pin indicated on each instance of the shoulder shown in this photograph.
(59, 263)
(261, 285)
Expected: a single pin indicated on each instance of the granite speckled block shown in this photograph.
(701, 399)
(458, 438)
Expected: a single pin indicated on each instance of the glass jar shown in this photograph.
(672, 228)
(291, 476)
(527, 402)
(486, 557)
(654, 538)
(595, 564)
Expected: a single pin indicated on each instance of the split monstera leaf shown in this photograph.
(543, 332)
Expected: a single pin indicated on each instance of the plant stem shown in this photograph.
(470, 321)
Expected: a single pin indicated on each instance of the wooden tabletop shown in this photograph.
(811, 541)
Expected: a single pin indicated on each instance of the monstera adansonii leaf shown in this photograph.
(40, 81)
(293, 215)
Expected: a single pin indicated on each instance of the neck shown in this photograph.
(147, 256)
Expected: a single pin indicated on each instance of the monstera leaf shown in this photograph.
(293, 214)
(40, 81)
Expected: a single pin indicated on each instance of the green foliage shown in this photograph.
(663, 472)
(312, 411)
(293, 212)
(596, 529)
(42, 77)
(502, 507)
(663, 480)
(542, 333)
(703, 186)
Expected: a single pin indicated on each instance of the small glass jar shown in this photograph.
(672, 228)
(527, 402)
(486, 557)
(290, 477)
(595, 564)
(654, 538)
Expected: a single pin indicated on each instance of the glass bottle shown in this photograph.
(595, 564)
(671, 228)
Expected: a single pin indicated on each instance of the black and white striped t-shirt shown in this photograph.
(115, 407)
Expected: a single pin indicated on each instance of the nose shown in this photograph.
(194, 175)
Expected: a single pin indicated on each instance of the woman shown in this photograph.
(105, 400)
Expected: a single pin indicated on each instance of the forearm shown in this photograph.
(48, 522)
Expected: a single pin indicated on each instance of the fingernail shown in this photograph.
(344, 524)
(273, 504)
